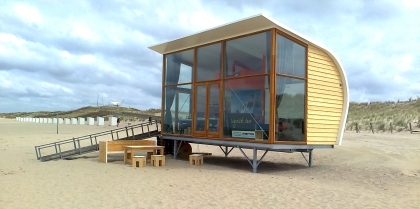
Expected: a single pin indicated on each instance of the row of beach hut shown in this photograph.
(72, 121)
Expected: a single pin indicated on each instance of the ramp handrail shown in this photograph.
(77, 140)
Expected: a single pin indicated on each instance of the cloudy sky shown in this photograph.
(63, 55)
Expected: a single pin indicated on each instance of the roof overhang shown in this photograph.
(230, 30)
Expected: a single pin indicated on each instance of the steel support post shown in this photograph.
(309, 160)
(254, 162)
(175, 150)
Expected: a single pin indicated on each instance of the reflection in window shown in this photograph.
(209, 62)
(177, 109)
(248, 55)
(200, 107)
(247, 108)
(290, 109)
(179, 67)
(291, 57)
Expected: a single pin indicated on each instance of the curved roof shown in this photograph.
(245, 26)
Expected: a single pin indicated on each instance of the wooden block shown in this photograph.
(196, 159)
(103, 152)
(141, 160)
(259, 135)
(158, 160)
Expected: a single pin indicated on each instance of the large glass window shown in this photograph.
(291, 57)
(249, 55)
(209, 62)
(179, 67)
(177, 109)
(247, 108)
(290, 109)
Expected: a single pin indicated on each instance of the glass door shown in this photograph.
(207, 110)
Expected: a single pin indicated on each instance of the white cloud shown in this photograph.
(28, 14)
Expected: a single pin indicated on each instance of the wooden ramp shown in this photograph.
(89, 143)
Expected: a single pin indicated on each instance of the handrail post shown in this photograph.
(55, 145)
(126, 131)
(148, 130)
(39, 152)
(80, 149)
(59, 147)
(74, 143)
(112, 135)
(132, 132)
(91, 142)
(36, 151)
(142, 131)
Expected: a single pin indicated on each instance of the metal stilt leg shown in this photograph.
(175, 149)
(254, 160)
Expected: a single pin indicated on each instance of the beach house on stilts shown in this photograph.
(252, 84)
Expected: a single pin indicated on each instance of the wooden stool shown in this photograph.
(139, 159)
(158, 160)
(196, 159)
(259, 135)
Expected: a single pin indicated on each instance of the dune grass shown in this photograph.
(383, 114)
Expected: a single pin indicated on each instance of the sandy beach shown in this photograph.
(366, 171)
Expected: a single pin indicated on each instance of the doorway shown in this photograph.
(207, 110)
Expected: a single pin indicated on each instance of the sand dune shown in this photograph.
(367, 171)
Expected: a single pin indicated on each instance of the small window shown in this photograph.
(291, 58)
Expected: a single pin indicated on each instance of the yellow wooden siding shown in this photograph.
(324, 113)
(320, 95)
(321, 78)
(311, 84)
(326, 135)
(315, 50)
(323, 68)
(325, 98)
(322, 126)
(323, 104)
(313, 72)
(325, 94)
(324, 142)
(319, 108)
(322, 62)
(321, 130)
